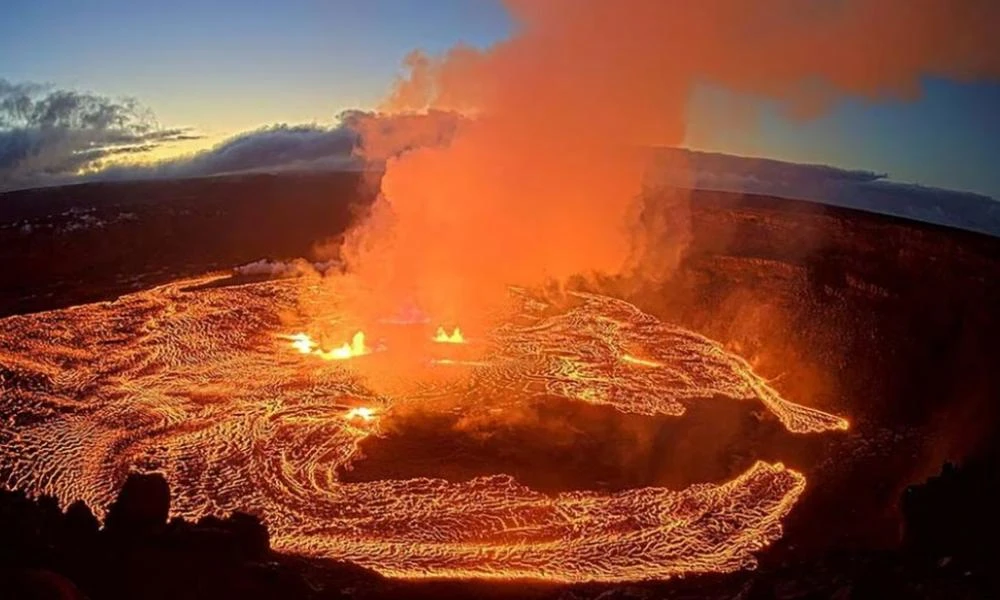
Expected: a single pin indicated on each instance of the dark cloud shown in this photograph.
(271, 148)
(49, 135)
(358, 139)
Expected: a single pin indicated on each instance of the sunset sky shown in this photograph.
(226, 66)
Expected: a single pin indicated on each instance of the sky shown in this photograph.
(224, 66)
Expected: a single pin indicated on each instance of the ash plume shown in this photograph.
(51, 135)
(541, 180)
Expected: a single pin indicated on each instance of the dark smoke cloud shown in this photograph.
(49, 135)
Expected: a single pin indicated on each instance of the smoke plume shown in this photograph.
(541, 180)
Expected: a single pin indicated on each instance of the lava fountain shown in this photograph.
(443, 337)
(304, 343)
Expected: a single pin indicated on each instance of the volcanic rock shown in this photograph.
(142, 506)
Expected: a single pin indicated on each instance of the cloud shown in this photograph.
(865, 190)
(53, 137)
(362, 139)
(49, 135)
(270, 148)
(358, 139)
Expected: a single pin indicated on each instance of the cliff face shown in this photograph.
(879, 317)
(890, 323)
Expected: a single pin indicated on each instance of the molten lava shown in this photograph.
(362, 413)
(302, 342)
(639, 361)
(172, 379)
(442, 337)
(305, 345)
(463, 363)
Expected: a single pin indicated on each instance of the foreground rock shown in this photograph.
(140, 554)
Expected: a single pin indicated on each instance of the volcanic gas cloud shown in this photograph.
(540, 180)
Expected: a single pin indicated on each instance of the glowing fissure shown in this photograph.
(639, 361)
(305, 345)
(362, 413)
(237, 419)
(443, 337)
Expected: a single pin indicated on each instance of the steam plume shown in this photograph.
(541, 180)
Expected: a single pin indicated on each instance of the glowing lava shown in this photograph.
(173, 379)
(463, 363)
(302, 342)
(639, 361)
(442, 337)
(362, 413)
(306, 345)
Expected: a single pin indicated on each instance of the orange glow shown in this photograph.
(540, 183)
(355, 348)
(306, 345)
(362, 413)
(302, 342)
(463, 363)
(234, 427)
(501, 201)
(639, 361)
(442, 337)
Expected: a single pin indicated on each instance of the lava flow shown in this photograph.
(191, 382)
